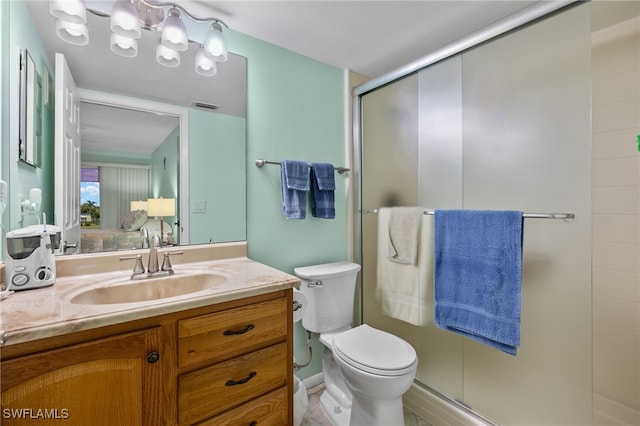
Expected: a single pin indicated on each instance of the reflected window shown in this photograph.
(90, 197)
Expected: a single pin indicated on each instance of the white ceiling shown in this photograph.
(369, 37)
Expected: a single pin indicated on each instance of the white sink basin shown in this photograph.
(149, 289)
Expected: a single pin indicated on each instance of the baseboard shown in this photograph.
(313, 381)
(436, 410)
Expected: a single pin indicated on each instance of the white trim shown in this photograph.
(313, 381)
(156, 107)
(435, 410)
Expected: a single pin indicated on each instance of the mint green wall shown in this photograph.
(164, 174)
(21, 177)
(165, 168)
(217, 176)
(295, 110)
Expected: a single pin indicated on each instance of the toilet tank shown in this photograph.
(329, 289)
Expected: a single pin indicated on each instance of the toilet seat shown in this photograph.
(375, 351)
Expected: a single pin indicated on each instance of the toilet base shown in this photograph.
(336, 413)
(369, 412)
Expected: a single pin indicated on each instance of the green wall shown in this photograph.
(295, 110)
(217, 177)
(23, 177)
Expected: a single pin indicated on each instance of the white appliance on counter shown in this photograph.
(30, 257)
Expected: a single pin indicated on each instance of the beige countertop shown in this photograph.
(47, 312)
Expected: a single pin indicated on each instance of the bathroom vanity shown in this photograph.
(218, 355)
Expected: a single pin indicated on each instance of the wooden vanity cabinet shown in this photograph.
(88, 383)
(226, 364)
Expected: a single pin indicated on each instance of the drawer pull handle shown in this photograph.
(244, 330)
(253, 423)
(242, 381)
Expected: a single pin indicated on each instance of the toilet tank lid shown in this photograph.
(326, 270)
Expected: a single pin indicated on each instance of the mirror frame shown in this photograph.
(30, 111)
(182, 114)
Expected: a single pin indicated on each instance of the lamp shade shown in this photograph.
(204, 65)
(124, 46)
(125, 20)
(77, 34)
(72, 11)
(138, 205)
(214, 45)
(167, 57)
(174, 33)
(161, 206)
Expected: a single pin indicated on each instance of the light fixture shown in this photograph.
(77, 34)
(72, 11)
(204, 65)
(174, 33)
(125, 20)
(161, 207)
(129, 17)
(71, 19)
(167, 57)
(124, 46)
(215, 47)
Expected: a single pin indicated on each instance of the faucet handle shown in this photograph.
(166, 263)
(139, 267)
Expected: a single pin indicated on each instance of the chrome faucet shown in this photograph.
(153, 270)
(154, 242)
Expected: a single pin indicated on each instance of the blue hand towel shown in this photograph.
(295, 184)
(478, 275)
(323, 186)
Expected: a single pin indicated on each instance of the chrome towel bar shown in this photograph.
(260, 162)
(564, 216)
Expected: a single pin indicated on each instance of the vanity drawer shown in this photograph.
(226, 334)
(270, 409)
(212, 390)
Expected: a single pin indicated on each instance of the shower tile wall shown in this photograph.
(616, 212)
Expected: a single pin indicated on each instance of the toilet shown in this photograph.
(366, 371)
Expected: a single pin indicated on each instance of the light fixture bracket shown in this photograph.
(151, 17)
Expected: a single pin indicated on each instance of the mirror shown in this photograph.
(30, 110)
(209, 160)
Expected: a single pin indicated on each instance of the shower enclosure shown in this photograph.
(501, 125)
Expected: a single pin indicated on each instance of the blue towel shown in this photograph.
(323, 185)
(295, 184)
(478, 275)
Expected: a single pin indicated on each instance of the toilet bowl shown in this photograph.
(366, 371)
(378, 368)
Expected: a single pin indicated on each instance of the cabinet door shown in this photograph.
(116, 380)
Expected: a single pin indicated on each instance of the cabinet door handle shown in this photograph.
(242, 381)
(153, 357)
(242, 331)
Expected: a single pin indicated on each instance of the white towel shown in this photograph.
(403, 288)
(404, 234)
